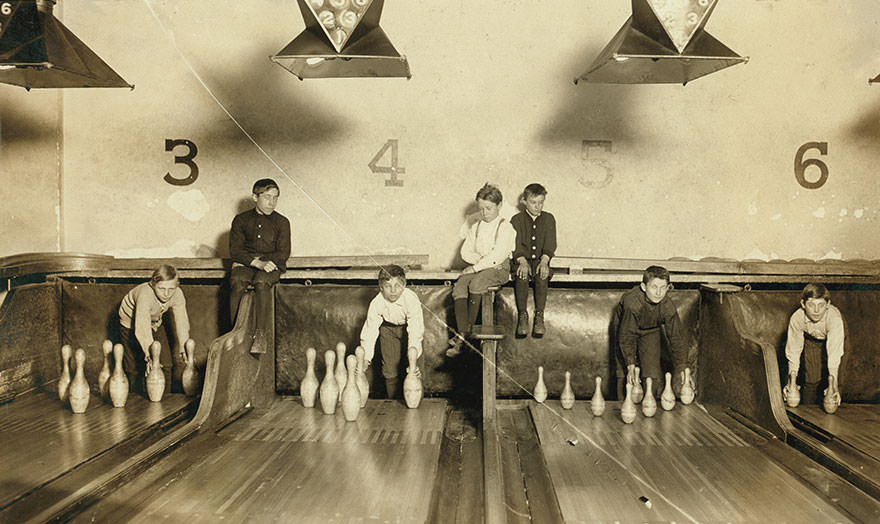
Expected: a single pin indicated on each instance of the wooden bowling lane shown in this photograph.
(847, 442)
(288, 463)
(679, 466)
(42, 440)
(857, 425)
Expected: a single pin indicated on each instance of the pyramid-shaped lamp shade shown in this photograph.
(662, 43)
(38, 51)
(342, 39)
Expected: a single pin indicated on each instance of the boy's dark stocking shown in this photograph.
(473, 307)
(460, 307)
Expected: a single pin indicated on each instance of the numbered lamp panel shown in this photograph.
(20, 34)
(38, 51)
(672, 23)
(342, 39)
(663, 42)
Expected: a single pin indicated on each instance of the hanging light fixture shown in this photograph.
(342, 39)
(663, 42)
(37, 51)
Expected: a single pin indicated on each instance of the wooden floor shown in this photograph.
(294, 464)
(855, 424)
(41, 439)
(679, 466)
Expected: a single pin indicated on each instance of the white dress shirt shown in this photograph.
(405, 310)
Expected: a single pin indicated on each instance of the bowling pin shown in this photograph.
(649, 403)
(341, 374)
(628, 408)
(638, 392)
(351, 397)
(308, 388)
(667, 398)
(79, 388)
(832, 396)
(540, 388)
(567, 396)
(118, 381)
(329, 391)
(155, 377)
(190, 379)
(687, 388)
(64, 380)
(412, 384)
(792, 392)
(597, 403)
(104, 375)
(361, 376)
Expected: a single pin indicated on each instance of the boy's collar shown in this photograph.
(531, 215)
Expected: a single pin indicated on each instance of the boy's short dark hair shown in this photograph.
(653, 272)
(533, 190)
(490, 193)
(163, 273)
(814, 290)
(264, 184)
(390, 271)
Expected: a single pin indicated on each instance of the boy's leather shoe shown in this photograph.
(522, 325)
(538, 329)
(455, 347)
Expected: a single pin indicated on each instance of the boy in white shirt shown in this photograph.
(822, 324)
(394, 308)
(487, 247)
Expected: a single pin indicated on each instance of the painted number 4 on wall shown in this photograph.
(393, 169)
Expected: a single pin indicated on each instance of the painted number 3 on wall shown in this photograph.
(801, 165)
(186, 159)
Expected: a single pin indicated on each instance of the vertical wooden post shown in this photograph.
(493, 486)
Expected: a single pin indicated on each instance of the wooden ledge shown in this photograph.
(105, 266)
(719, 266)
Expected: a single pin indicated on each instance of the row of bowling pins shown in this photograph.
(347, 383)
(634, 394)
(115, 384)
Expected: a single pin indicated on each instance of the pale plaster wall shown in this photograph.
(29, 171)
(700, 170)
